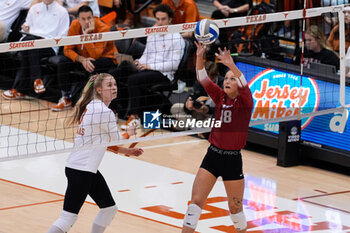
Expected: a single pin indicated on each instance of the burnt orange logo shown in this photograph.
(57, 40)
(91, 37)
(256, 18)
(123, 33)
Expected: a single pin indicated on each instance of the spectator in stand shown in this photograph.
(125, 17)
(198, 105)
(46, 19)
(3, 33)
(157, 64)
(333, 39)
(185, 11)
(88, 58)
(331, 19)
(73, 6)
(290, 5)
(10, 11)
(229, 9)
(316, 49)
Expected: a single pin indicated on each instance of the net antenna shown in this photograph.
(17, 142)
(302, 51)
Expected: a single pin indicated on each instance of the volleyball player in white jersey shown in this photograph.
(97, 125)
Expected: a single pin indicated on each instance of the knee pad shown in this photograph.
(66, 221)
(239, 221)
(105, 216)
(192, 215)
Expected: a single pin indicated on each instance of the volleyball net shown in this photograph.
(311, 94)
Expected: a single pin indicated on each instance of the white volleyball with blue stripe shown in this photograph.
(207, 31)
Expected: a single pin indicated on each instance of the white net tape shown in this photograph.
(187, 27)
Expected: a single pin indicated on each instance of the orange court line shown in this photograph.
(322, 195)
(143, 135)
(180, 182)
(124, 190)
(27, 186)
(33, 204)
(42, 190)
(320, 191)
(326, 206)
(36, 110)
(153, 220)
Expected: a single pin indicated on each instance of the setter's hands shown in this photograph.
(201, 48)
(224, 57)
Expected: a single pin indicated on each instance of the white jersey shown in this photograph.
(49, 21)
(10, 10)
(98, 125)
(93, 4)
(164, 53)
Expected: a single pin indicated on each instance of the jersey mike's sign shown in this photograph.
(278, 94)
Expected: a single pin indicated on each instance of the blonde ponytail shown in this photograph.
(88, 94)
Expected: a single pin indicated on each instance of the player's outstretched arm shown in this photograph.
(200, 53)
(131, 151)
(127, 151)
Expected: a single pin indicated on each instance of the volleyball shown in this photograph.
(207, 31)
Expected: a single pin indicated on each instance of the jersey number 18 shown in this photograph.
(226, 116)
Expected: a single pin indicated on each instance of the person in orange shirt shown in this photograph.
(333, 38)
(185, 11)
(89, 58)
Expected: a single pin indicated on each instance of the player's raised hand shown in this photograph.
(201, 48)
(91, 26)
(25, 27)
(224, 57)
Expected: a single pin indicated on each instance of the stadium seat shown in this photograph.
(164, 91)
(15, 35)
(109, 18)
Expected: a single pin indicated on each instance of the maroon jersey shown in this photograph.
(234, 115)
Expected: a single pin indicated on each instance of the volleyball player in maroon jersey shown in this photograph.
(234, 104)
